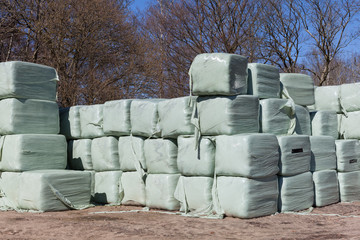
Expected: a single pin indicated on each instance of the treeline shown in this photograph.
(103, 50)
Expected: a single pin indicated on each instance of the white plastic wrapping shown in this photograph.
(247, 155)
(175, 116)
(303, 121)
(196, 161)
(299, 87)
(296, 192)
(324, 123)
(107, 187)
(323, 153)
(104, 154)
(117, 117)
(25, 152)
(348, 155)
(132, 189)
(248, 198)
(218, 74)
(161, 156)
(9, 187)
(350, 125)
(277, 116)
(263, 80)
(349, 97)
(144, 117)
(349, 185)
(131, 153)
(70, 122)
(21, 116)
(79, 154)
(326, 187)
(160, 190)
(28, 81)
(328, 98)
(295, 154)
(91, 121)
(228, 115)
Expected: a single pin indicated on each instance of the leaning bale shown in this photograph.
(298, 87)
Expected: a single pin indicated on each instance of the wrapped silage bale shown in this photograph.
(25, 152)
(91, 121)
(195, 194)
(303, 122)
(263, 80)
(324, 123)
(349, 185)
(79, 154)
(70, 122)
(131, 153)
(28, 81)
(161, 156)
(349, 97)
(104, 154)
(160, 190)
(144, 117)
(117, 117)
(218, 74)
(296, 192)
(348, 155)
(323, 153)
(326, 187)
(54, 190)
(107, 187)
(349, 125)
(9, 187)
(175, 117)
(234, 115)
(328, 98)
(247, 155)
(248, 198)
(298, 87)
(22, 116)
(198, 161)
(295, 154)
(132, 189)
(277, 116)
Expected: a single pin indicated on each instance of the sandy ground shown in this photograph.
(338, 221)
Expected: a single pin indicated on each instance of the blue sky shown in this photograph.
(140, 4)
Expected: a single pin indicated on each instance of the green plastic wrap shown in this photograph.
(79, 154)
(327, 98)
(298, 87)
(132, 189)
(91, 121)
(107, 187)
(131, 154)
(117, 117)
(326, 187)
(348, 155)
(349, 185)
(349, 97)
(70, 122)
(350, 125)
(104, 154)
(28, 81)
(263, 80)
(28, 116)
(218, 74)
(9, 189)
(323, 153)
(324, 123)
(303, 121)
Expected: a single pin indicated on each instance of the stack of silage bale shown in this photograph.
(33, 156)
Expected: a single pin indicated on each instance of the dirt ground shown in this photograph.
(338, 221)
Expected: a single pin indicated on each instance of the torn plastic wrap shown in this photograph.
(326, 187)
(349, 185)
(277, 116)
(349, 97)
(350, 125)
(79, 154)
(324, 123)
(160, 190)
(132, 189)
(295, 154)
(303, 121)
(117, 117)
(131, 154)
(145, 118)
(25, 152)
(199, 161)
(175, 116)
(323, 153)
(296, 192)
(107, 187)
(104, 154)
(348, 155)
(91, 121)
(328, 98)
(248, 198)
(218, 74)
(298, 87)
(70, 122)
(228, 115)
(263, 80)
(161, 156)
(28, 81)
(247, 155)
(28, 116)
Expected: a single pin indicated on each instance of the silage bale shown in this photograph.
(131, 153)
(323, 153)
(91, 121)
(303, 121)
(107, 187)
(349, 185)
(117, 117)
(324, 123)
(327, 98)
(349, 97)
(104, 154)
(9, 186)
(298, 87)
(347, 155)
(70, 122)
(263, 80)
(326, 187)
(79, 154)
(350, 125)
(132, 189)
